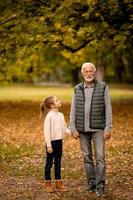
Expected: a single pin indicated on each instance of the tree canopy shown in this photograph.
(37, 35)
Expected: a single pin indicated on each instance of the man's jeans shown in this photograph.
(95, 174)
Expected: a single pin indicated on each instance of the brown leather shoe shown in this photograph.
(48, 186)
(59, 186)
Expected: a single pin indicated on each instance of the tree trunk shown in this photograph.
(100, 73)
(100, 69)
(119, 67)
(75, 76)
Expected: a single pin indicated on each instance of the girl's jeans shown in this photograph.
(95, 174)
(56, 157)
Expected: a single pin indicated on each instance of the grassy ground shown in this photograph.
(39, 92)
(22, 152)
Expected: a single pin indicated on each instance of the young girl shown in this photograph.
(54, 129)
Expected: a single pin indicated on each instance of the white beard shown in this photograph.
(89, 78)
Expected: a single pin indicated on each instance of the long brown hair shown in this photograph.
(46, 104)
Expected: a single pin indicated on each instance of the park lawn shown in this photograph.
(38, 93)
(34, 93)
(22, 151)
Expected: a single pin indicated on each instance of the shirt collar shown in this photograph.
(91, 86)
(54, 110)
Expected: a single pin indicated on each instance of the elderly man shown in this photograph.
(91, 121)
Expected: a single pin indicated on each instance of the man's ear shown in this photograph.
(82, 73)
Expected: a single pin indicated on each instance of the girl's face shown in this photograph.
(57, 102)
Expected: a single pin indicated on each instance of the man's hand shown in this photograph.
(75, 134)
(49, 149)
(107, 135)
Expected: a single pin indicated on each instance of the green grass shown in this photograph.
(38, 93)
(34, 93)
(121, 93)
(12, 152)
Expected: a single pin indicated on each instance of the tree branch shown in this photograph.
(69, 48)
(9, 19)
(43, 2)
(73, 50)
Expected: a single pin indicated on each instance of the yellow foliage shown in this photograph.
(57, 25)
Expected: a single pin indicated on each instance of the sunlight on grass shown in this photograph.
(34, 93)
(38, 93)
(119, 94)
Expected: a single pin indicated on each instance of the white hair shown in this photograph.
(88, 64)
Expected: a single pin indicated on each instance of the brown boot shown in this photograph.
(59, 186)
(48, 186)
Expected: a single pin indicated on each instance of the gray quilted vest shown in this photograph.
(97, 112)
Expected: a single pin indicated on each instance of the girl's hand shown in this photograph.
(67, 131)
(49, 149)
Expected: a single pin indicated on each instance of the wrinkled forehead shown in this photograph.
(88, 66)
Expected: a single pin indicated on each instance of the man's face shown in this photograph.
(88, 73)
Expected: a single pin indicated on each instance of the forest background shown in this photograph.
(43, 44)
(44, 40)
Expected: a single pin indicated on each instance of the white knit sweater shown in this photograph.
(54, 127)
